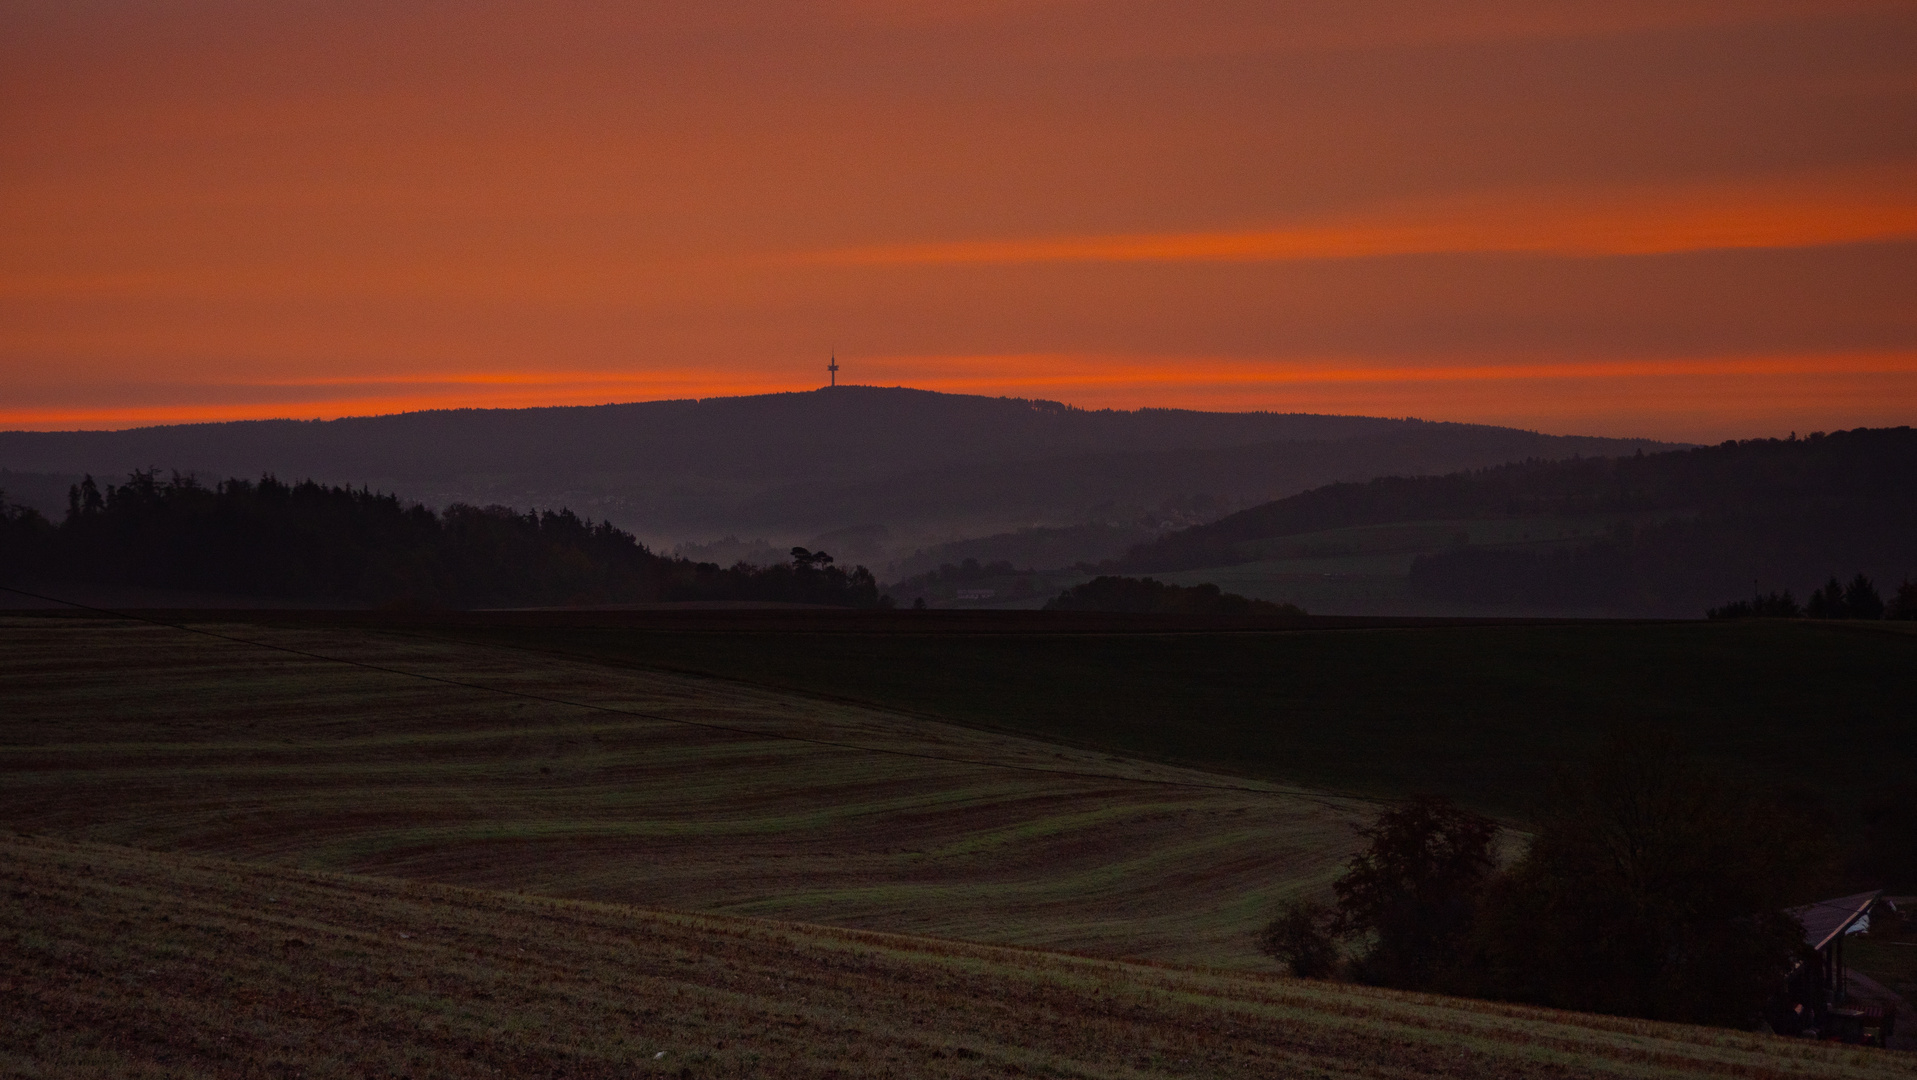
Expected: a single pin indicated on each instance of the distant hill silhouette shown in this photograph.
(927, 467)
(1662, 533)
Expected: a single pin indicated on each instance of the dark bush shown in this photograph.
(1414, 892)
(1301, 938)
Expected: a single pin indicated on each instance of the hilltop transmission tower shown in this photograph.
(832, 367)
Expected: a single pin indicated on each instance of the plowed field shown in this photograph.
(117, 963)
(668, 791)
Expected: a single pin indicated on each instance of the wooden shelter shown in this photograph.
(1817, 998)
(1826, 924)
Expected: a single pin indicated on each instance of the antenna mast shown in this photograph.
(833, 367)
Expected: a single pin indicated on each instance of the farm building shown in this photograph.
(1817, 1000)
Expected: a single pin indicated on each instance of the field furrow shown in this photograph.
(123, 963)
(565, 777)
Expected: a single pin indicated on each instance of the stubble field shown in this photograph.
(1478, 710)
(668, 791)
(455, 835)
(129, 964)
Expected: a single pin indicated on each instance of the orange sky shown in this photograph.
(1686, 219)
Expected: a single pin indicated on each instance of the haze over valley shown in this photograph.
(871, 474)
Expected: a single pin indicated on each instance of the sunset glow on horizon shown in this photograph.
(1689, 220)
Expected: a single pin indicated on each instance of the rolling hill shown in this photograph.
(120, 963)
(466, 763)
(908, 468)
(348, 844)
(1478, 710)
(1664, 534)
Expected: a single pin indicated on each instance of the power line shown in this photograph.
(729, 728)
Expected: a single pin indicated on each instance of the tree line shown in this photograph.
(1661, 566)
(1834, 600)
(1649, 888)
(309, 541)
(1151, 596)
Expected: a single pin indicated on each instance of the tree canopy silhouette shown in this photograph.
(1654, 889)
(308, 541)
(1650, 888)
(1414, 890)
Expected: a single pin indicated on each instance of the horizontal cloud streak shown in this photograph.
(1092, 370)
(1491, 210)
(1791, 213)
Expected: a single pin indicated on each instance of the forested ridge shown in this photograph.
(799, 465)
(309, 541)
(1693, 526)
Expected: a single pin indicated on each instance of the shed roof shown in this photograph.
(1826, 920)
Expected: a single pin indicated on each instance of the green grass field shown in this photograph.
(118, 964)
(167, 740)
(1478, 711)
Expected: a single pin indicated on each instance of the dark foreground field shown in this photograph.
(669, 791)
(1480, 711)
(117, 963)
(529, 788)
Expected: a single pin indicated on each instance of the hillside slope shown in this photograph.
(1663, 533)
(123, 963)
(926, 466)
(1481, 712)
(654, 788)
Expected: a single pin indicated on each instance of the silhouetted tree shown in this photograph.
(1415, 891)
(1777, 606)
(1904, 604)
(1768, 606)
(803, 560)
(1301, 938)
(1652, 889)
(1858, 600)
(1861, 599)
(84, 498)
(1828, 602)
(24, 535)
